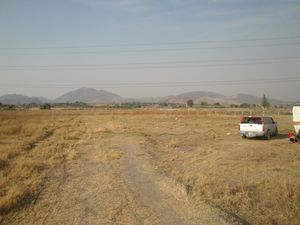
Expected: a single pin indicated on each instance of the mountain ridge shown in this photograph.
(22, 99)
(90, 95)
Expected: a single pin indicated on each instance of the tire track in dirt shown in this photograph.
(94, 189)
(145, 190)
(165, 199)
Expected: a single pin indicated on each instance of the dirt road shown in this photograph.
(113, 180)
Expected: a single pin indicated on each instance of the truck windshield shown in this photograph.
(253, 120)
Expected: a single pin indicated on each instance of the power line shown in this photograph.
(155, 49)
(153, 43)
(283, 59)
(206, 83)
(132, 67)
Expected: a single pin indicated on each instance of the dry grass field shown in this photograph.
(144, 167)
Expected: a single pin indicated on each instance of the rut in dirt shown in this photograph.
(96, 188)
(166, 201)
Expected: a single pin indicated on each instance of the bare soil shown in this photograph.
(146, 167)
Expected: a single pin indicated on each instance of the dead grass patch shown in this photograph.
(3, 164)
(28, 152)
(11, 128)
(112, 155)
(256, 180)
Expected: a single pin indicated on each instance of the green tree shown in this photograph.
(46, 106)
(163, 104)
(245, 105)
(11, 107)
(264, 102)
(190, 103)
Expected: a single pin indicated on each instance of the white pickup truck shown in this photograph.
(258, 127)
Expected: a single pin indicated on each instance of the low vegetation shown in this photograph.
(255, 180)
(31, 144)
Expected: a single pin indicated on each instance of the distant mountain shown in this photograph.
(197, 97)
(212, 97)
(21, 99)
(89, 95)
(245, 98)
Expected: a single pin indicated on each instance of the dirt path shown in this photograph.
(165, 201)
(112, 180)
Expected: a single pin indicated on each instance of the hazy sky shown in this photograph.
(140, 48)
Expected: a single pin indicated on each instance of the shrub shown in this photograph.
(46, 106)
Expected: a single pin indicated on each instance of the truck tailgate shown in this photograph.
(251, 127)
(251, 130)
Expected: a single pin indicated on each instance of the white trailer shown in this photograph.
(296, 117)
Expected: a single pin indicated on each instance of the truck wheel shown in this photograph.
(244, 136)
(297, 140)
(268, 135)
(276, 132)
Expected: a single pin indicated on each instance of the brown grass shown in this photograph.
(31, 144)
(255, 180)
